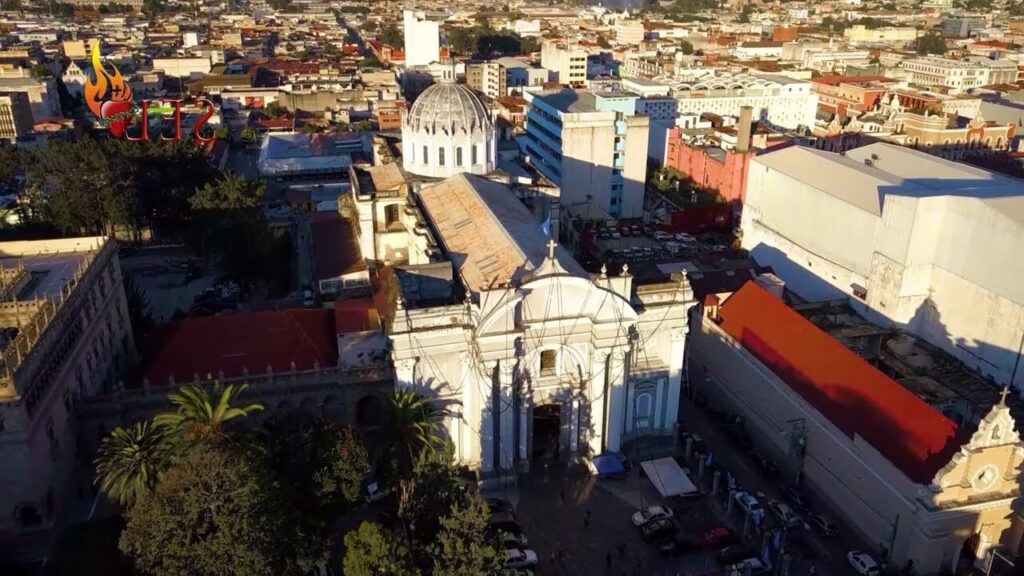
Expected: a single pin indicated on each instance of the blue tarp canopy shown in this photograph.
(606, 465)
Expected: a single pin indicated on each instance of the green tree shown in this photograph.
(249, 134)
(12, 165)
(151, 6)
(409, 425)
(217, 512)
(931, 43)
(392, 36)
(369, 26)
(371, 550)
(321, 468)
(462, 40)
(603, 42)
(463, 546)
(745, 13)
(130, 461)
(686, 47)
(434, 491)
(200, 417)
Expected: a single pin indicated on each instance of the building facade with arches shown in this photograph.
(533, 357)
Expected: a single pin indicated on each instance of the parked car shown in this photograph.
(864, 563)
(785, 514)
(746, 567)
(502, 518)
(822, 524)
(675, 544)
(659, 235)
(683, 237)
(641, 517)
(748, 503)
(719, 537)
(796, 499)
(499, 505)
(517, 572)
(734, 553)
(657, 528)
(510, 526)
(514, 540)
(516, 558)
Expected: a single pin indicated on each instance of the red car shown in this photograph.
(720, 537)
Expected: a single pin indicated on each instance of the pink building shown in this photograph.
(724, 171)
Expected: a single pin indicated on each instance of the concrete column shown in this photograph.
(507, 414)
(574, 425)
(524, 428)
(404, 372)
(675, 376)
(616, 400)
(596, 396)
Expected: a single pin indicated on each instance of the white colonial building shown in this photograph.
(534, 357)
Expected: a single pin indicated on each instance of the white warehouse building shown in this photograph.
(917, 241)
(782, 101)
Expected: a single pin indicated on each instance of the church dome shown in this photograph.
(448, 107)
(448, 131)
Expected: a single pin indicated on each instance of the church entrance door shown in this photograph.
(547, 432)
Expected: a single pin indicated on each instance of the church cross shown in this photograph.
(551, 249)
(1003, 395)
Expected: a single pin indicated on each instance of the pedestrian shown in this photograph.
(622, 550)
(608, 561)
(561, 496)
(586, 518)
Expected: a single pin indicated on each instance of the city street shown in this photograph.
(828, 556)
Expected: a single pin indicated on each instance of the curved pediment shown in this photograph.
(557, 297)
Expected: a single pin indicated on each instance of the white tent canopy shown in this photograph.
(668, 477)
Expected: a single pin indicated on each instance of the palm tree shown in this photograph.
(199, 417)
(130, 462)
(410, 424)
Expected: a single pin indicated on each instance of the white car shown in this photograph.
(749, 504)
(864, 563)
(683, 237)
(659, 235)
(641, 517)
(785, 513)
(515, 558)
(748, 566)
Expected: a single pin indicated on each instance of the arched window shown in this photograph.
(458, 155)
(643, 417)
(440, 156)
(997, 432)
(426, 156)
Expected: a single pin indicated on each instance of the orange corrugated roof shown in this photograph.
(854, 395)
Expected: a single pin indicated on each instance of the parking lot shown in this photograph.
(578, 524)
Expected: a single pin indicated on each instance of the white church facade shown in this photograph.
(533, 357)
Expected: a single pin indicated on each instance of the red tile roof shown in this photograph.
(853, 394)
(232, 343)
(355, 315)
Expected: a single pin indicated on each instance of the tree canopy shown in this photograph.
(931, 43)
(372, 550)
(217, 512)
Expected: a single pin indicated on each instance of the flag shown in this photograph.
(766, 555)
(707, 461)
(778, 540)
